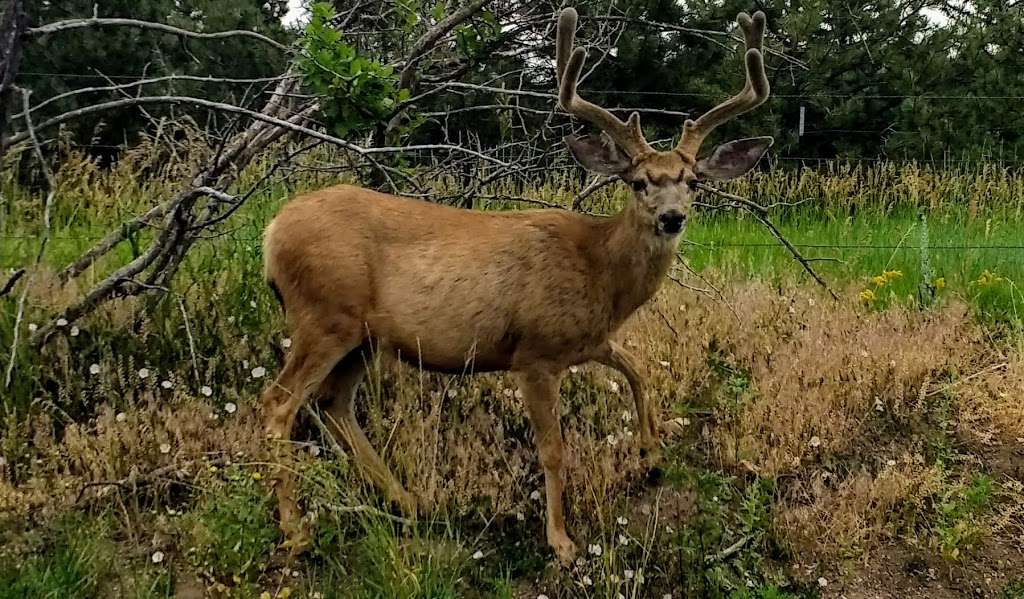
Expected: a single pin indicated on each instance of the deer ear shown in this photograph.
(598, 154)
(733, 159)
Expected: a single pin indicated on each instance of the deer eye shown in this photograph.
(639, 185)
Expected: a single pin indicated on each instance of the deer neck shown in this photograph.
(637, 261)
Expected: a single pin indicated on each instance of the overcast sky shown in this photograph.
(295, 12)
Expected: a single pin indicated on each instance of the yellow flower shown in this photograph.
(256, 476)
(939, 283)
(892, 275)
(879, 281)
(867, 296)
(987, 278)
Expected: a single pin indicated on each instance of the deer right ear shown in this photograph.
(598, 154)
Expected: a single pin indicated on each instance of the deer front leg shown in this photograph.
(540, 392)
(617, 357)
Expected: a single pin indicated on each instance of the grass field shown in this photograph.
(862, 448)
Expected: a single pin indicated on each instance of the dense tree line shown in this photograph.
(914, 79)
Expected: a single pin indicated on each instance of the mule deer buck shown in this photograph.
(532, 292)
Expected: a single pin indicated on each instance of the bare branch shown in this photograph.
(427, 41)
(72, 24)
(11, 281)
(259, 116)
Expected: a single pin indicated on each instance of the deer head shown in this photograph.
(663, 183)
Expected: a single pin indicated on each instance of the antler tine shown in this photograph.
(569, 65)
(754, 92)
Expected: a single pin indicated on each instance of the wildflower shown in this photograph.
(622, 520)
(939, 283)
(594, 549)
(75, 331)
(535, 495)
(62, 322)
(612, 440)
(286, 343)
(614, 578)
(892, 275)
(519, 393)
(143, 373)
(879, 406)
(452, 393)
(623, 540)
(165, 448)
(230, 407)
(167, 384)
(664, 363)
(206, 391)
(252, 303)
(314, 450)
(508, 393)
(542, 596)
(628, 574)
(987, 279)
(867, 296)
(257, 476)
(891, 463)
(158, 556)
(822, 582)
(879, 281)
(815, 441)
(94, 369)
(478, 555)
(627, 416)
(258, 372)
(574, 369)
(614, 386)
(121, 417)
(587, 581)
(667, 596)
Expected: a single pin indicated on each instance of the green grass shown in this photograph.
(73, 561)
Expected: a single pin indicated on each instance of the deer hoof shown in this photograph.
(565, 549)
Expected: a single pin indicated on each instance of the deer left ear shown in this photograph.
(733, 159)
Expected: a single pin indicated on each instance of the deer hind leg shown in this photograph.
(540, 392)
(340, 390)
(618, 358)
(312, 357)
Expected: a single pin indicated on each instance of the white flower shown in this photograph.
(258, 372)
(32, 327)
(623, 540)
(94, 369)
(452, 393)
(121, 417)
(667, 596)
(628, 574)
(614, 578)
(594, 549)
(627, 416)
(252, 303)
(612, 440)
(574, 369)
(521, 516)
(165, 448)
(815, 441)
(286, 343)
(535, 495)
(519, 393)
(542, 596)
(74, 331)
(664, 363)
(508, 393)
(62, 322)
(478, 555)
(622, 520)
(158, 556)
(206, 391)
(314, 450)
(143, 373)
(167, 384)
(891, 463)
(230, 407)
(614, 386)
(587, 581)
(879, 406)
(822, 582)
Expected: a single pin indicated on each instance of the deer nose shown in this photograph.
(672, 221)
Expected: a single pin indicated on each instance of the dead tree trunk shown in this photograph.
(12, 28)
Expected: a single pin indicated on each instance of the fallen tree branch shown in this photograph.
(761, 214)
(72, 24)
(12, 281)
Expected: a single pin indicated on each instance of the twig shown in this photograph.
(71, 24)
(191, 340)
(598, 183)
(729, 551)
(47, 206)
(11, 281)
(761, 214)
